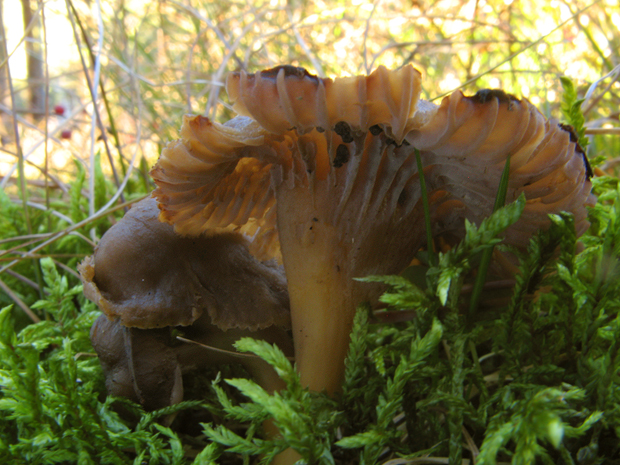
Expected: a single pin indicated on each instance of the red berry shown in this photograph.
(65, 134)
(59, 110)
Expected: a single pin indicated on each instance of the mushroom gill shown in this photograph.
(324, 171)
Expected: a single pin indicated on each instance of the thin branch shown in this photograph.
(59, 235)
(93, 89)
(603, 131)
(365, 41)
(20, 303)
(507, 60)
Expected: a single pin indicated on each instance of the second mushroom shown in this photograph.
(322, 173)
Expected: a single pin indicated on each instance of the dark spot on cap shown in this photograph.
(575, 138)
(571, 131)
(485, 95)
(344, 131)
(320, 129)
(342, 156)
(375, 130)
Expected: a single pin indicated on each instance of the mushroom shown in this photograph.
(146, 365)
(138, 364)
(148, 280)
(323, 171)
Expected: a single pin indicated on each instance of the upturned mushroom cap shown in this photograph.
(327, 167)
(465, 148)
(149, 277)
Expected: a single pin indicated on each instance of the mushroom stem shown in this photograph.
(322, 318)
(320, 293)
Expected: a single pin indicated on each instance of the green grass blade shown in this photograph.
(432, 259)
(485, 260)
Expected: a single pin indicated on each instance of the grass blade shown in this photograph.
(485, 260)
(432, 259)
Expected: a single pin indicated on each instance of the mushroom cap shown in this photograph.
(137, 364)
(225, 176)
(288, 97)
(108, 340)
(349, 144)
(467, 143)
(146, 365)
(149, 277)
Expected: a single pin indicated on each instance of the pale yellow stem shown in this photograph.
(320, 292)
(322, 321)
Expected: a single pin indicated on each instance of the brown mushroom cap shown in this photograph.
(108, 339)
(328, 168)
(150, 277)
(146, 365)
(147, 279)
(137, 364)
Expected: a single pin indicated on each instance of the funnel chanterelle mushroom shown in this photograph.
(323, 172)
(146, 279)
